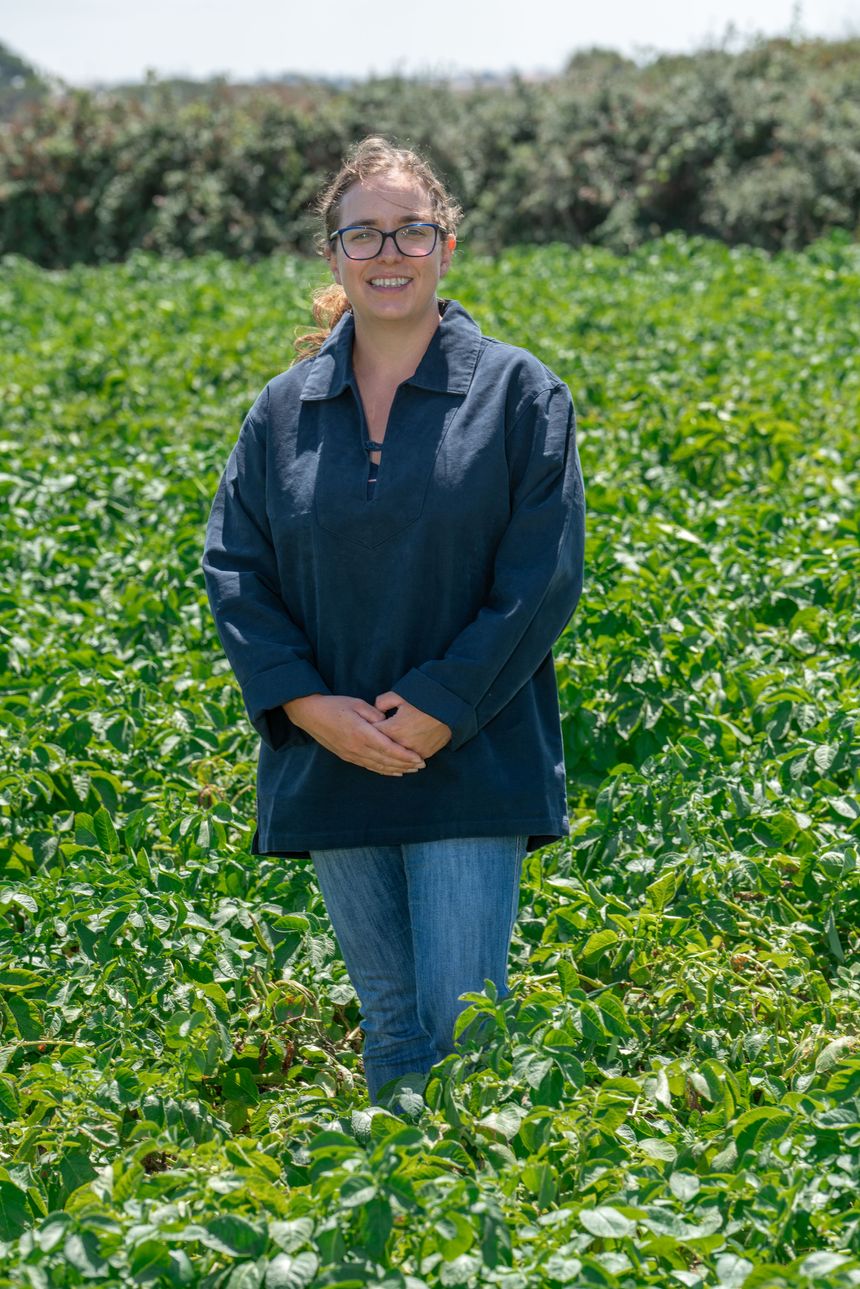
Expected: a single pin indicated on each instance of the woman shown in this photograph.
(395, 545)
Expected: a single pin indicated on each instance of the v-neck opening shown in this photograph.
(372, 467)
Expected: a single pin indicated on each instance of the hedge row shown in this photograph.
(757, 147)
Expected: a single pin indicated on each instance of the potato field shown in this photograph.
(671, 1094)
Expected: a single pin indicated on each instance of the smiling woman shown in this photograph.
(402, 628)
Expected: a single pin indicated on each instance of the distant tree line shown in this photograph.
(21, 84)
(760, 146)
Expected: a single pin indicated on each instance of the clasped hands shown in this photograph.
(362, 734)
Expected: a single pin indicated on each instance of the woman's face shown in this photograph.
(391, 287)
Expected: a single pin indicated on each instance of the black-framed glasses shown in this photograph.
(362, 242)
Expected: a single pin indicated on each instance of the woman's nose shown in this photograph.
(389, 250)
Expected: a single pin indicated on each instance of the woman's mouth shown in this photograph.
(389, 283)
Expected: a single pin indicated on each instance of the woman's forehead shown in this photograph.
(382, 197)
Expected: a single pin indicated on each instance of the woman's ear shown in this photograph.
(448, 248)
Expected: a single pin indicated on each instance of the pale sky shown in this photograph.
(87, 41)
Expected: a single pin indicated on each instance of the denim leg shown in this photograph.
(463, 902)
(366, 897)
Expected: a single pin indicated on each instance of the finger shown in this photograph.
(387, 770)
(401, 767)
(408, 741)
(368, 713)
(381, 743)
(389, 767)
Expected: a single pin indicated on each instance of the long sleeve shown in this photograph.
(537, 578)
(270, 655)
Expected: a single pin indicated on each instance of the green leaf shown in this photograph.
(833, 941)
(182, 1026)
(658, 1148)
(290, 1235)
(531, 1066)
(657, 1086)
(725, 1159)
(453, 1235)
(247, 1275)
(47, 1236)
(15, 1214)
(235, 1235)
(597, 943)
(541, 1182)
(684, 1186)
(20, 899)
(16, 978)
(592, 1026)
(733, 1270)
(765, 1123)
(149, 1260)
(613, 1014)
(291, 1272)
(239, 1085)
(125, 1182)
(505, 1121)
(607, 1222)
(567, 975)
(662, 891)
(9, 1105)
(357, 1190)
(833, 1053)
(822, 1263)
(105, 832)
(26, 1017)
(82, 1252)
(563, 1270)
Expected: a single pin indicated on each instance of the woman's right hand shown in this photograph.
(347, 727)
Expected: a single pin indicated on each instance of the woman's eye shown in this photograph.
(415, 232)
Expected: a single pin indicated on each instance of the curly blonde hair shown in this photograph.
(374, 155)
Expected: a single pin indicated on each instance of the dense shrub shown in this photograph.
(755, 147)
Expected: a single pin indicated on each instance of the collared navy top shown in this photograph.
(448, 581)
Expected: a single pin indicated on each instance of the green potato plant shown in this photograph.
(671, 1092)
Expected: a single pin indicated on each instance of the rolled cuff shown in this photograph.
(429, 696)
(264, 695)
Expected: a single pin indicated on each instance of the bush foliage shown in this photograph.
(756, 147)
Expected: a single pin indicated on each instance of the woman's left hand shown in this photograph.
(411, 727)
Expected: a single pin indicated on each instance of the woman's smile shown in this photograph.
(389, 283)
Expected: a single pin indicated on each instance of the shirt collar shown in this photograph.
(447, 366)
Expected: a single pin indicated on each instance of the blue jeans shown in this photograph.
(419, 924)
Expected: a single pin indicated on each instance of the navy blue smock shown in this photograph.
(448, 581)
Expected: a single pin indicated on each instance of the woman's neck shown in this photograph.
(391, 350)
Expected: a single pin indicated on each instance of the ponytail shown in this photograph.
(329, 304)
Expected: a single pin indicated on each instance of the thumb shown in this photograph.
(384, 702)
